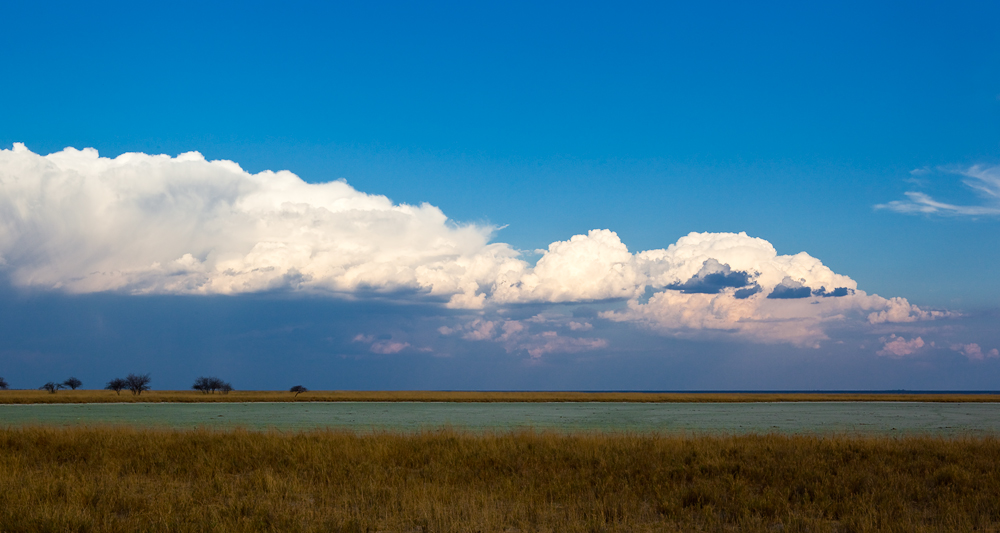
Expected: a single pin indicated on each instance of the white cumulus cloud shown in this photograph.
(156, 224)
(899, 310)
(975, 352)
(587, 267)
(788, 298)
(144, 224)
(899, 347)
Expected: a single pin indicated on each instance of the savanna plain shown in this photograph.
(104, 478)
(21, 396)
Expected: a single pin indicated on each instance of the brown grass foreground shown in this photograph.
(103, 396)
(120, 479)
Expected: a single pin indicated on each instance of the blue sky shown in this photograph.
(803, 126)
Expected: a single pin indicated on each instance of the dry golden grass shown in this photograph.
(119, 479)
(103, 396)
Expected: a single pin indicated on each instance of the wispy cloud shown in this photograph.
(984, 181)
(537, 336)
(383, 346)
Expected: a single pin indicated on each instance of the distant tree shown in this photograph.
(117, 385)
(226, 388)
(52, 387)
(3, 384)
(137, 383)
(201, 385)
(208, 385)
(72, 383)
(298, 389)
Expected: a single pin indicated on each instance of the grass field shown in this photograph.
(103, 396)
(120, 479)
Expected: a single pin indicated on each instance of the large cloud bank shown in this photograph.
(155, 224)
(142, 224)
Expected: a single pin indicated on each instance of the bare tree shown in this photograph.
(72, 383)
(226, 388)
(52, 387)
(137, 383)
(298, 389)
(3, 384)
(208, 385)
(201, 385)
(117, 385)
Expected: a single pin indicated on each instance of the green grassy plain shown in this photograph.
(120, 479)
(104, 396)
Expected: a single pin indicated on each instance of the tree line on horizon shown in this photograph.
(138, 383)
